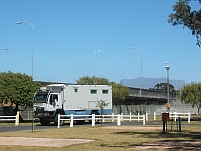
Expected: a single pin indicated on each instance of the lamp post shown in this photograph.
(105, 74)
(96, 50)
(140, 68)
(32, 43)
(80, 69)
(4, 49)
(184, 77)
(168, 101)
(32, 64)
(176, 74)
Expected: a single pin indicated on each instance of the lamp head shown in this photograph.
(167, 68)
(18, 22)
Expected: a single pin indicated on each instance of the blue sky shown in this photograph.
(67, 32)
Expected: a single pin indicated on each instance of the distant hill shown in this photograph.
(151, 82)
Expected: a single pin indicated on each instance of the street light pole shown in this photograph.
(80, 69)
(140, 68)
(32, 64)
(105, 74)
(96, 50)
(176, 74)
(32, 43)
(184, 77)
(168, 101)
(4, 49)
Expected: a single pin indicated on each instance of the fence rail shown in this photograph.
(175, 115)
(10, 118)
(119, 118)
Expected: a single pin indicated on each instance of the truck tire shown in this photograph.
(56, 121)
(44, 122)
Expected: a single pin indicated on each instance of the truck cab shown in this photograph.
(47, 106)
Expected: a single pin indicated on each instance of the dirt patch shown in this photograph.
(45, 142)
(171, 145)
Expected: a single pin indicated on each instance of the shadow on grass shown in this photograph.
(170, 135)
(158, 141)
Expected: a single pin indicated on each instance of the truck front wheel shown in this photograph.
(44, 122)
(56, 121)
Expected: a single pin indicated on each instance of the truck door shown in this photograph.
(55, 100)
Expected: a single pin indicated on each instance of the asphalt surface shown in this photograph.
(24, 128)
(38, 126)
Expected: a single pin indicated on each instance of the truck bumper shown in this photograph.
(44, 116)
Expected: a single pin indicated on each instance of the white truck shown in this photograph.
(67, 99)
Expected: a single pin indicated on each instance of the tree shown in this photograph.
(119, 92)
(17, 89)
(191, 94)
(163, 87)
(185, 16)
(102, 104)
(92, 80)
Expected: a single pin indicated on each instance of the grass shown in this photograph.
(106, 139)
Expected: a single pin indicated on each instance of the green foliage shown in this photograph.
(163, 87)
(92, 80)
(183, 15)
(102, 104)
(17, 88)
(191, 94)
(119, 92)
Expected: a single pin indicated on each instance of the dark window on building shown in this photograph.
(105, 91)
(93, 91)
(76, 90)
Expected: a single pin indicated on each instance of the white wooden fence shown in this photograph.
(119, 118)
(11, 118)
(175, 115)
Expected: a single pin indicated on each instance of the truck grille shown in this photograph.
(40, 109)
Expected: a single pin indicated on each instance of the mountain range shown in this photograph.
(147, 83)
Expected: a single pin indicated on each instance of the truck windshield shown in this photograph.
(40, 98)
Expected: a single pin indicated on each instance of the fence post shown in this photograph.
(71, 120)
(130, 116)
(189, 117)
(93, 120)
(143, 119)
(118, 120)
(138, 116)
(175, 118)
(122, 117)
(58, 121)
(112, 117)
(146, 116)
(154, 116)
(17, 118)
(103, 118)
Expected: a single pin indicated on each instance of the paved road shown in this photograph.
(23, 128)
(38, 127)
